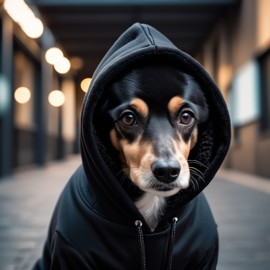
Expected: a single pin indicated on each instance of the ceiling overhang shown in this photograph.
(88, 28)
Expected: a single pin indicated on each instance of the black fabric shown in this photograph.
(80, 237)
(93, 226)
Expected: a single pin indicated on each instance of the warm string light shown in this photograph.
(85, 84)
(62, 66)
(22, 95)
(22, 14)
(55, 57)
(56, 98)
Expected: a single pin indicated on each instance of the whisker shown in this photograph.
(197, 162)
(197, 184)
(123, 178)
(195, 170)
(194, 183)
(196, 174)
(121, 171)
(124, 173)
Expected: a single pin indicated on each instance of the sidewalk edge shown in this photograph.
(251, 181)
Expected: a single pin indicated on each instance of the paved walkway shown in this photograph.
(240, 205)
(26, 203)
(242, 211)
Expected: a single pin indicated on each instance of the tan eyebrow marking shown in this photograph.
(175, 103)
(140, 106)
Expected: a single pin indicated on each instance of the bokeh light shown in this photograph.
(62, 66)
(22, 95)
(33, 29)
(85, 84)
(56, 98)
(22, 14)
(53, 55)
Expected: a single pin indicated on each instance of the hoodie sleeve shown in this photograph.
(60, 251)
(60, 255)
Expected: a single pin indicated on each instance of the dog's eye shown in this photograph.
(128, 118)
(186, 118)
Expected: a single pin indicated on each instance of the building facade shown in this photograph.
(33, 131)
(237, 55)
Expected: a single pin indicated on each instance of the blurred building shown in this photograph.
(231, 38)
(237, 54)
(33, 128)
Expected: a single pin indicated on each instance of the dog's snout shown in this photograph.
(166, 170)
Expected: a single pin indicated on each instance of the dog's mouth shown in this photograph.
(147, 182)
(161, 189)
(165, 191)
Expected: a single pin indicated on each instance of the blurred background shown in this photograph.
(49, 50)
(49, 45)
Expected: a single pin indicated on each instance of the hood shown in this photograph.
(137, 43)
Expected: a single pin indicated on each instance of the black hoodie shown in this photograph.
(96, 225)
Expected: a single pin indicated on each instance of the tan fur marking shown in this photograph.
(138, 157)
(185, 148)
(118, 146)
(182, 147)
(114, 139)
(175, 103)
(140, 106)
(181, 153)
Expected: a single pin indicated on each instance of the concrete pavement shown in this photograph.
(240, 205)
(27, 200)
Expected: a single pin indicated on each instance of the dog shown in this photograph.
(154, 131)
(154, 112)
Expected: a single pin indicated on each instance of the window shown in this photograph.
(244, 95)
(264, 63)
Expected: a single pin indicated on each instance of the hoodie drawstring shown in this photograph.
(171, 244)
(139, 224)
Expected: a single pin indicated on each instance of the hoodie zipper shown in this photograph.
(139, 225)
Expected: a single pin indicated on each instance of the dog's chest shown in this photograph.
(151, 207)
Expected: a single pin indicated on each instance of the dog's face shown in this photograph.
(155, 113)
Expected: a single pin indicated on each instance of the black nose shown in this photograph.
(166, 170)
